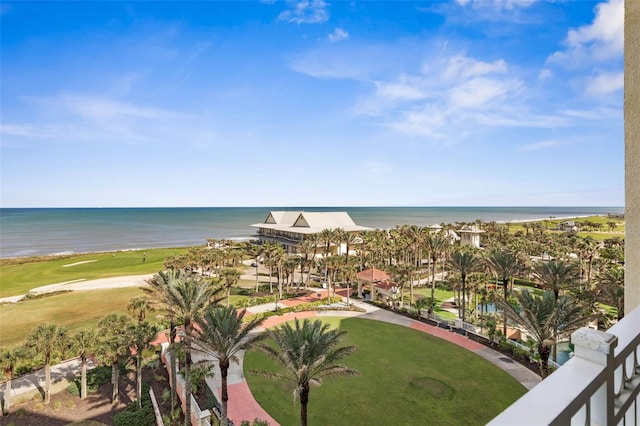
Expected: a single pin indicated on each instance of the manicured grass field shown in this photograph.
(19, 278)
(407, 378)
(73, 309)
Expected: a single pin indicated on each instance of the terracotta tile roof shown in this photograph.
(373, 275)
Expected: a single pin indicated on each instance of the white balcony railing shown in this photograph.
(600, 385)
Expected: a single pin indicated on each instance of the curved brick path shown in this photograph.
(243, 406)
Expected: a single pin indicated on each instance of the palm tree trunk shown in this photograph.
(139, 377)
(543, 351)
(304, 400)
(224, 369)
(411, 298)
(464, 296)
(83, 379)
(7, 398)
(257, 284)
(114, 380)
(187, 377)
(172, 356)
(505, 284)
(47, 382)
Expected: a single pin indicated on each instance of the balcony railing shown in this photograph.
(600, 385)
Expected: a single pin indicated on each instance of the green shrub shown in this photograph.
(95, 378)
(134, 416)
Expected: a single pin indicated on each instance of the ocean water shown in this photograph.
(32, 232)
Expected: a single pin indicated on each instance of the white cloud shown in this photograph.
(481, 91)
(472, 11)
(399, 91)
(306, 12)
(544, 74)
(605, 83)
(101, 108)
(496, 4)
(73, 117)
(461, 66)
(338, 34)
(599, 41)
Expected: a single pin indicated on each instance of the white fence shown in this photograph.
(600, 385)
(198, 417)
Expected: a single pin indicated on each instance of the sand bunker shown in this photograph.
(79, 263)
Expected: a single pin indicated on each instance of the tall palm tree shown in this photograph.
(556, 275)
(139, 306)
(464, 262)
(306, 249)
(223, 334)
(48, 340)
(230, 277)
(328, 236)
(158, 290)
(188, 298)
(308, 353)
(504, 265)
(611, 288)
(9, 359)
(114, 346)
(84, 343)
(545, 319)
(436, 244)
(316, 241)
(590, 248)
(140, 335)
(255, 251)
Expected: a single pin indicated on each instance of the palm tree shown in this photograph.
(464, 262)
(223, 334)
(84, 343)
(255, 251)
(140, 335)
(504, 265)
(158, 290)
(308, 353)
(436, 245)
(611, 288)
(327, 235)
(590, 248)
(9, 359)
(47, 340)
(188, 298)
(307, 249)
(139, 306)
(542, 316)
(230, 277)
(114, 346)
(556, 275)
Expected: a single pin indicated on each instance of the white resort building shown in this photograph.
(290, 228)
(470, 236)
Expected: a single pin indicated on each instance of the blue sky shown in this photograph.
(312, 103)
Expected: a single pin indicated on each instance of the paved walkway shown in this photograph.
(242, 404)
(31, 384)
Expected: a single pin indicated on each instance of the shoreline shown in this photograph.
(68, 253)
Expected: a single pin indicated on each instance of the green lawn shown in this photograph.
(19, 278)
(407, 378)
(72, 309)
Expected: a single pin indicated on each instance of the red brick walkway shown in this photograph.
(447, 335)
(243, 406)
